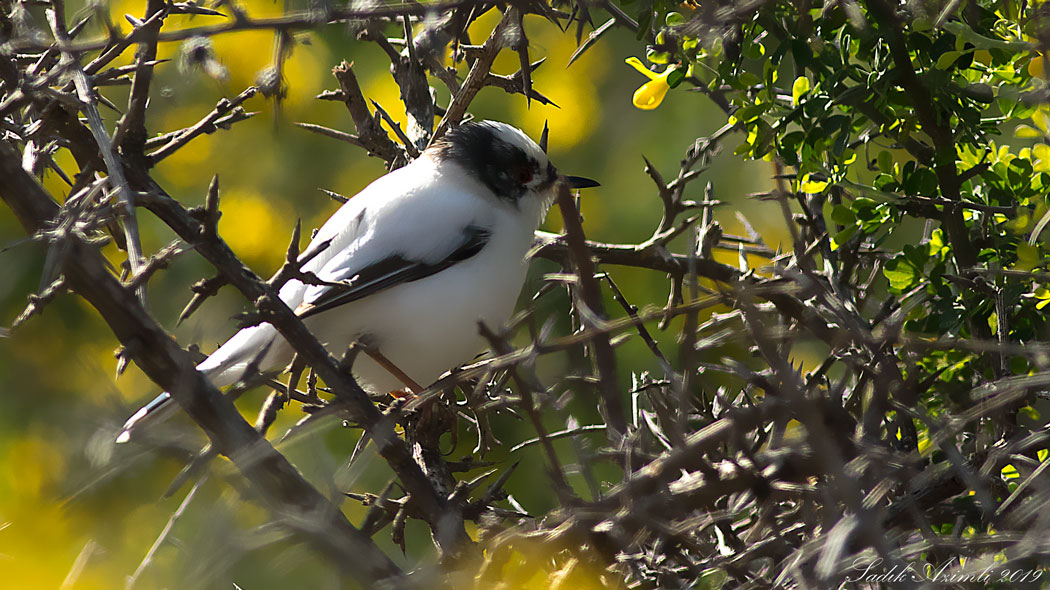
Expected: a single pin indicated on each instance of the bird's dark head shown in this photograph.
(502, 157)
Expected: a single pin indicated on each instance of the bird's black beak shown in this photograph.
(581, 182)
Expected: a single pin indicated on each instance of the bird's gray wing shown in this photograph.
(385, 273)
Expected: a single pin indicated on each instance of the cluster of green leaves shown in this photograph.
(825, 92)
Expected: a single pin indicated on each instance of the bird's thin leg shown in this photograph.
(393, 369)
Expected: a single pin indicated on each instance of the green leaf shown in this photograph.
(811, 185)
(673, 19)
(754, 51)
(885, 161)
(947, 58)
(657, 57)
(1028, 257)
(1026, 132)
(842, 237)
(747, 79)
(1023, 110)
(938, 247)
(711, 579)
(675, 77)
(864, 204)
(750, 112)
(902, 273)
(964, 32)
(799, 89)
(843, 215)
(1006, 105)
(1041, 120)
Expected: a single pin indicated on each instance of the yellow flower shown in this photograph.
(652, 93)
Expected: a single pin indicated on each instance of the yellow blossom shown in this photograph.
(652, 93)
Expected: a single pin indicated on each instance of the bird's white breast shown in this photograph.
(426, 326)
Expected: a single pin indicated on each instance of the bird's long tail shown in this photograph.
(224, 367)
(156, 410)
(163, 406)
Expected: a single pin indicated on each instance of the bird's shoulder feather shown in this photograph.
(407, 225)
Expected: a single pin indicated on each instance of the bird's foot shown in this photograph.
(402, 395)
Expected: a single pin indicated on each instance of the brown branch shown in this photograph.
(369, 132)
(588, 302)
(410, 74)
(288, 22)
(479, 72)
(532, 410)
(114, 168)
(520, 82)
(556, 248)
(131, 132)
(206, 125)
(332, 133)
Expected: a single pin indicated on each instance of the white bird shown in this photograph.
(421, 255)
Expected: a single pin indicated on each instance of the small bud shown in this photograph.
(199, 53)
(269, 82)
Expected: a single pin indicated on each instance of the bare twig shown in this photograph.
(206, 125)
(56, 17)
(369, 132)
(589, 305)
(479, 72)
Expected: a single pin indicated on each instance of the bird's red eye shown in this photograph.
(524, 175)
